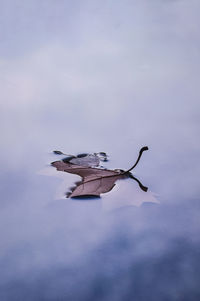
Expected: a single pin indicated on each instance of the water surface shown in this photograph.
(90, 77)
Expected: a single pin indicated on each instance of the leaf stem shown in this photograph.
(144, 188)
(138, 159)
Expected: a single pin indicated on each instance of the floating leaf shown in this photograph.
(95, 180)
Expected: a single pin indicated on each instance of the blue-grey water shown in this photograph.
(90, 76)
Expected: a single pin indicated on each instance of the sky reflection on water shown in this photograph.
(89, 77)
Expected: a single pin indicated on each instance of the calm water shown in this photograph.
(100, 76)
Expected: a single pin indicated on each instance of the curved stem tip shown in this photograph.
(138, 159)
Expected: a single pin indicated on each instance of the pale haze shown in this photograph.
(90, 76)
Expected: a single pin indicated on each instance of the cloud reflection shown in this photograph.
(89, 76)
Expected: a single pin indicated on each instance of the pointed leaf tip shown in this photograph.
(56, 152)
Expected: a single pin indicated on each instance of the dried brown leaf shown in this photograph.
(95, 180)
